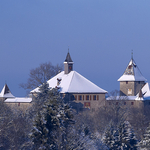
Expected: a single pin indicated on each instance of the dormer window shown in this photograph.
(130, 67)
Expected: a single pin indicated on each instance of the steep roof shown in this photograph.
(68, 58)
(145, 92)
(72, 83)
(132, 73)
(6, 92)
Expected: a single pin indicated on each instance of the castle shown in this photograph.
(74, 87)
(134, 89)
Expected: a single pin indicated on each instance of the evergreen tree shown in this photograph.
(126, 139)
(51, 122)
(145, 142)
(109, 136)
(123, 138)
(41, 96)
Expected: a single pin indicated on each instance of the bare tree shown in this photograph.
(41, 74)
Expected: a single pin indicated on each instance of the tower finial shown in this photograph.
(132, 54)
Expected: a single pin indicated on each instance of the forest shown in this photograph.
(50, 123)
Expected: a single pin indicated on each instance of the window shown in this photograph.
(97, 97)
(116, 103)
(139, 82)
(83, 97)
(80, 97)
(94, 97)
(90, 97)
(70, 67)
(18, 104)
(129, 67)
(87, 97)
(72, 97)
(132, 103)
(129, 91)
(75, 97)
(87, 105)
(126, 82)
(124, 103)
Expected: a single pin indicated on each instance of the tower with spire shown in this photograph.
(68, 64)
(132, 80)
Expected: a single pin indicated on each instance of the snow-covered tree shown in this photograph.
(125, 137)
(109, 136)
(145, 142)
(81, 138)
(121, 138)
(6, 118)
(51, 122)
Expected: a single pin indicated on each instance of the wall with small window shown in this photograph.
(126, 103)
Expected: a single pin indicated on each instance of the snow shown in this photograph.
(121, 98)
(146, 91)
(4, 94)
(132, 74)
(73, 83)
(19, 100)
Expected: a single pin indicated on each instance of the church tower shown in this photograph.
(68, 64)
(132, 80)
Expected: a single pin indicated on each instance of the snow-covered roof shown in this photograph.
(121, 98)
(18, 100)
(72, 82)
(144, 94)
(132, 73)
(5, 93)
(145, 91)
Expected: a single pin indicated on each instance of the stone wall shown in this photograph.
(130, 88)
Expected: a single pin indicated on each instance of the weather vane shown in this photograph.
(132, 53)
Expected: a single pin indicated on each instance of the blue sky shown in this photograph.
(100, 35)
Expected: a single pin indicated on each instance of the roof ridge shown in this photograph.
(71, 79)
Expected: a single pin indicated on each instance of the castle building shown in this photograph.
(6, 93)
(76, 88)
(134, 89)
(22, 103)
(132, 80)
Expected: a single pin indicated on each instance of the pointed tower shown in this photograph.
(68, 64)
(132, 80)
(5, 93)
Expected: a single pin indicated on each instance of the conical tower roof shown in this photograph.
(68, 58)
(132, 73)
(6, 92)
